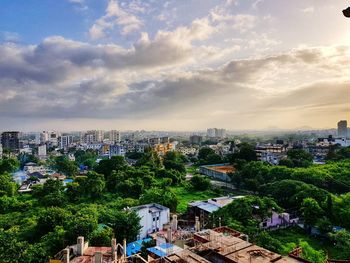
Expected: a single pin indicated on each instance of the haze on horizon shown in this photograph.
(173, 65)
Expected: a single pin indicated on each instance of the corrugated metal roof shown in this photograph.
(135, 247)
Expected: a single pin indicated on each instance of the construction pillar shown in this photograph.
(197, 225)
(66, 257)
(98, 257)
(114, 249)
(169, 235)
(124, 247)
(175, 222)
(80, 246)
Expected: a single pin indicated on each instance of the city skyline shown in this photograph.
(129, 65)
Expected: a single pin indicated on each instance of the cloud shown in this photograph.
(308, 10)
(80, 4)
(62, 78)
(116, 16)
(10, 36)
(239, 22)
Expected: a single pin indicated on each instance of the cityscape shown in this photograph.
(175, 131)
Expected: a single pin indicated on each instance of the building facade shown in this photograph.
(10, 140)
(114, 136)
(343, 128)
(153, 218)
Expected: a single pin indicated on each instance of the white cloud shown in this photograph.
(308, 10)
(117, 16)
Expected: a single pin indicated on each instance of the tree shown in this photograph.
(11, 249)
(150, 159)
(163, 196)
(106, 167)
(309, 253)
(125, 224)
(245, 152)
(9, 165)
(101, 237)
(173, 161)
(94, 184)
(311, 211)
(265, 240)
(204, 152)
(175, 176)
(64, 165)
(342, 243)
(298, 158)
(207, 155)
(82, 223)
(200, 183)
(7, 185)
(51, 217)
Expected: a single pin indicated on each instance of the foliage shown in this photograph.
(342, 243)
(310, 211)
(245, 152)
(297, 158)
(8, 165)
(125, 224)
(64, 165)
(207, 155)
(200, 183)
(174, 161)
(163, 196)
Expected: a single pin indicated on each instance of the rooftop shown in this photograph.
(152, 207)
(221, 168)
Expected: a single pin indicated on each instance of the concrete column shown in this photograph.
(175, 222)
(197, 225)
(80, 246)
(114, 249)
(66, 255)
(124, 247)
(98, 257)
(169, 235)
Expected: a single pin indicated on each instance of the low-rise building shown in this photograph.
(153, 218)
(218, 171)
(279, 220)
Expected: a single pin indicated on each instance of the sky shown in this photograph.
(173, 64)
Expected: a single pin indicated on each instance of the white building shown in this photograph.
(0, 150)
(116, 150)
(66, 141)
(153, 218)
(93, 136)
(344, 142)
(50, 137)
(42, 151)
(114, 136)
(33, 167)
(216, 133)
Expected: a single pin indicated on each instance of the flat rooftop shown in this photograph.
(221, 168)
(228, 245)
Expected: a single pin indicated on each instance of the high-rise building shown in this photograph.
(216, 133)
(66, 141)
(93, 136)
(10, 140)
(342, 128)
(211, 133)
(42, 151)
(196, 139)
(114, 136)
(50, 137)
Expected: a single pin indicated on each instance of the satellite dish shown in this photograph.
(346, 12)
